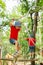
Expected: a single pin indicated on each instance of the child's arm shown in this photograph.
(12, 23)
(26, 38)
(18, 28)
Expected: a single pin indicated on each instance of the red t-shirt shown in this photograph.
(31, 41)
(14, 33)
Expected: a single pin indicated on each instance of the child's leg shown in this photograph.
(17, 46)
(14, 42)
(31, 55)
(32, 51)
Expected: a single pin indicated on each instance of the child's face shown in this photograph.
(12, 20)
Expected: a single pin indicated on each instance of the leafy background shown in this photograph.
(21, 10)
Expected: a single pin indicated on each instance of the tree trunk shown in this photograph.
(35, 23)
(31, 21)
(35, 29)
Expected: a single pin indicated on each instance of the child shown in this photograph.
(15, 28)
(31, 42)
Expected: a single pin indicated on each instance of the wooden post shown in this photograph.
(0, 55)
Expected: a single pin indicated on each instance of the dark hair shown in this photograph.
(13, 19)
(18, 23)
(32, 35)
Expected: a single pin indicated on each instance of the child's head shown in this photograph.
(18, 24)
(13, 20)
(32, 35)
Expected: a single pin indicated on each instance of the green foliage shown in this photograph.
(2, 8)
(2, 4)
(2, 14)
(24, 6)
(40, 3)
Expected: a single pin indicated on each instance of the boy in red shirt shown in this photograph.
(15, 28)
(31, 42)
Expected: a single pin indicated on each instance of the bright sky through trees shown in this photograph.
(11, 4)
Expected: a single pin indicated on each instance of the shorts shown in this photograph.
(32, 48)
(12, 41)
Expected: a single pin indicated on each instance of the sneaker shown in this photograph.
(16, 53)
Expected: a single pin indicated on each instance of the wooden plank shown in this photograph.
(27, 60)
(20, 60)
(6, 59)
